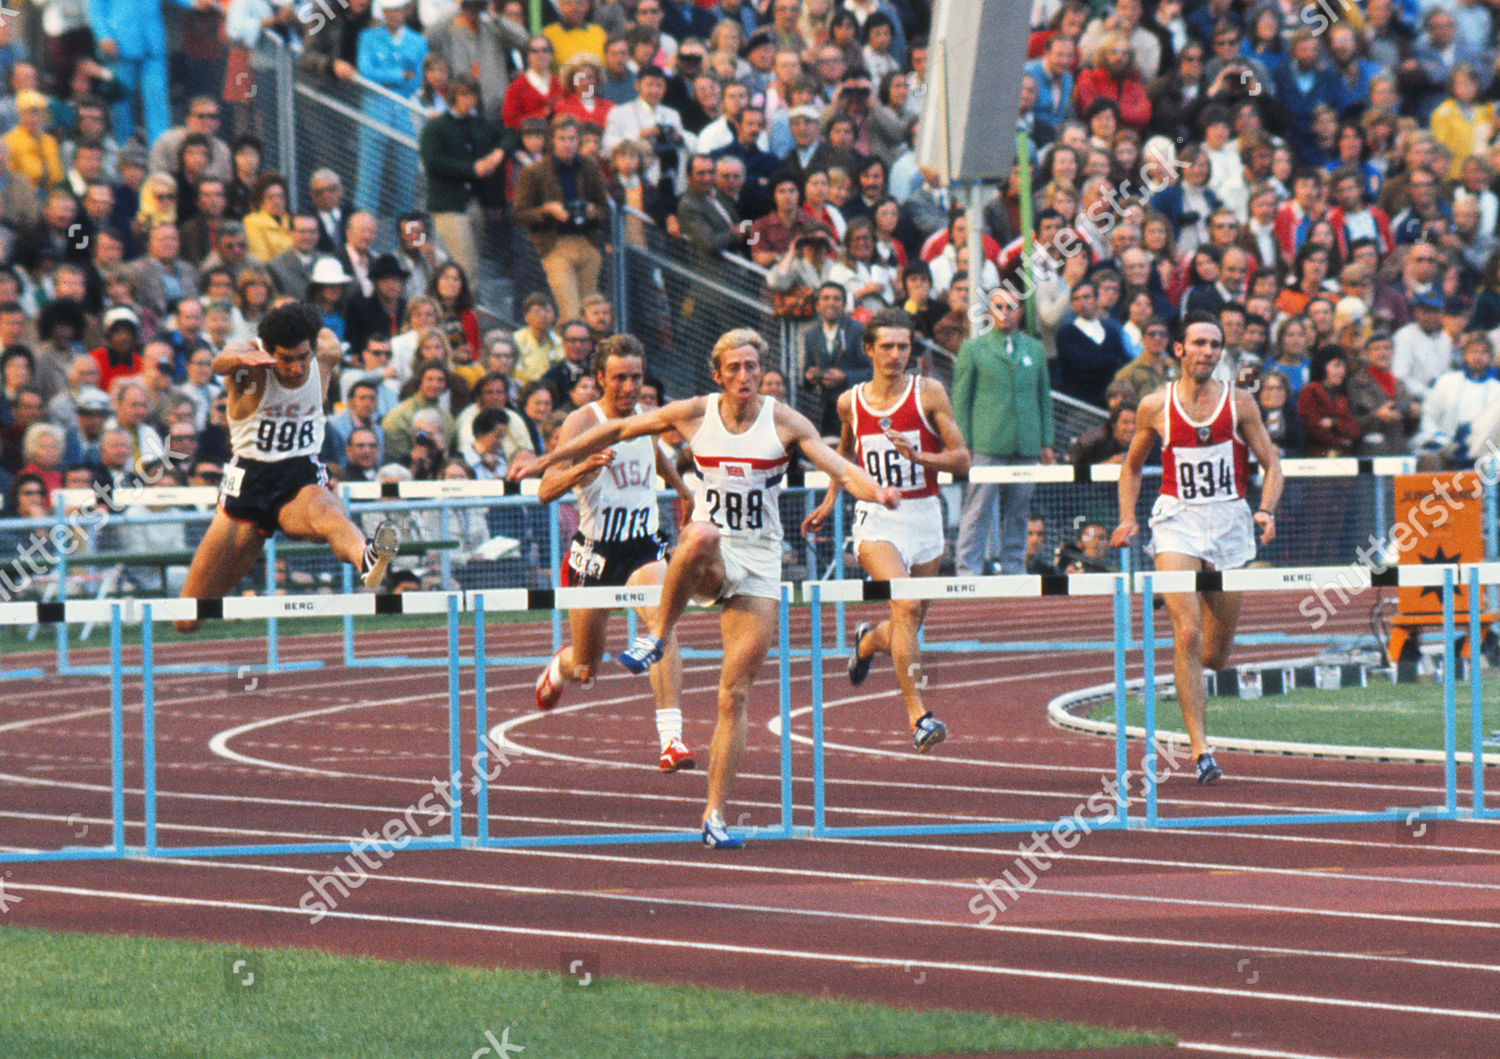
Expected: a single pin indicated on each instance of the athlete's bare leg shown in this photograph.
(897, 636)
(666, 675)
(316, 514)
(748, 624)
(579, 659)
(1221, 616)
(1188, 648)
(696, 569)
(226, 554)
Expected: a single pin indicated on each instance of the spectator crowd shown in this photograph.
(1323, 180)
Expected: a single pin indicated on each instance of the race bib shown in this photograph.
(889, 467)
(233, 482)
(1205, 473)
(584, 561)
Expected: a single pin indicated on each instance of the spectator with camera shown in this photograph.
(657, 127)
(562, 203)
(400, 427)
(833, 357)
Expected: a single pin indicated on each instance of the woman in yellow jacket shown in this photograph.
(1461, 124)
(269, 228)
(34, 153)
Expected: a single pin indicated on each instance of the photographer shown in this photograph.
(807, 264)
(563, 204)
(658, 128)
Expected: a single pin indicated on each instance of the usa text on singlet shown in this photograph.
(741, 475)
(1204, 463)
(620, 503)
(287, 423)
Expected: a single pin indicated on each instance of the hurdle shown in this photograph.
(146, 613)
(1063, 474)
(496, 741)
(75, 509)
(1146, 586)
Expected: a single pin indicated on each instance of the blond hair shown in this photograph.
(740, 336)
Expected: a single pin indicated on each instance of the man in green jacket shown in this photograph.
(461, 154)
(1002, 401)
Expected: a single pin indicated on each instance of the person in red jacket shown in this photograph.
(121, 353)
(536, 90)
(1114, 76)
(1323, 405)
(1353, 217)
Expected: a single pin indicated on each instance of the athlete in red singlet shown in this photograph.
(1201, 520)
(900, 429)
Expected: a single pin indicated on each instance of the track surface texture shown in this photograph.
(1367, 940)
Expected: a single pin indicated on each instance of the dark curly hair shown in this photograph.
(288, 326)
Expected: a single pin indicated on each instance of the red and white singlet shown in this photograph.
(1204, 463)
(879, 457)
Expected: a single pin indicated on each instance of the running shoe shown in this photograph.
(676, 757)
(1208, 770)
(641, 655)
(549, 686)
(716, 835)
(929, 733)
(379, 551)
(859, 668)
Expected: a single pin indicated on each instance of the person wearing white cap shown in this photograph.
(390, 55)
(121, 353)
(326, 288)
(276, 390)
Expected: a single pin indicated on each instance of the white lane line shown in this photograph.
(1250, 1053)
(816, 913)
(845, 959)
(972, 887)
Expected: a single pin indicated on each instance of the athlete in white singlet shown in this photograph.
(900, 428)
(731, 550)
(1200, 521)
(619, 539)
(275, 481)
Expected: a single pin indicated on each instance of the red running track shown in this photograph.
(1348, 941)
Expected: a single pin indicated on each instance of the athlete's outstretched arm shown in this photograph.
(678, 414)
(1264, 448)
(564, 475)
(819, 515)
(797, 430)
(1146, 436)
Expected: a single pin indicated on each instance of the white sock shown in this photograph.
(554, 670)
(669, 725)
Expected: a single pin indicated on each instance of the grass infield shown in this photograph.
(1409, 716)
(103, 996)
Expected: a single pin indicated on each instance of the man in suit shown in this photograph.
(833, 354)
(163, 278)
(562, 203)
(1003, 406)
(292, 268)
(355, 255)
(327, 192)
(360, 413)
(708, 221)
